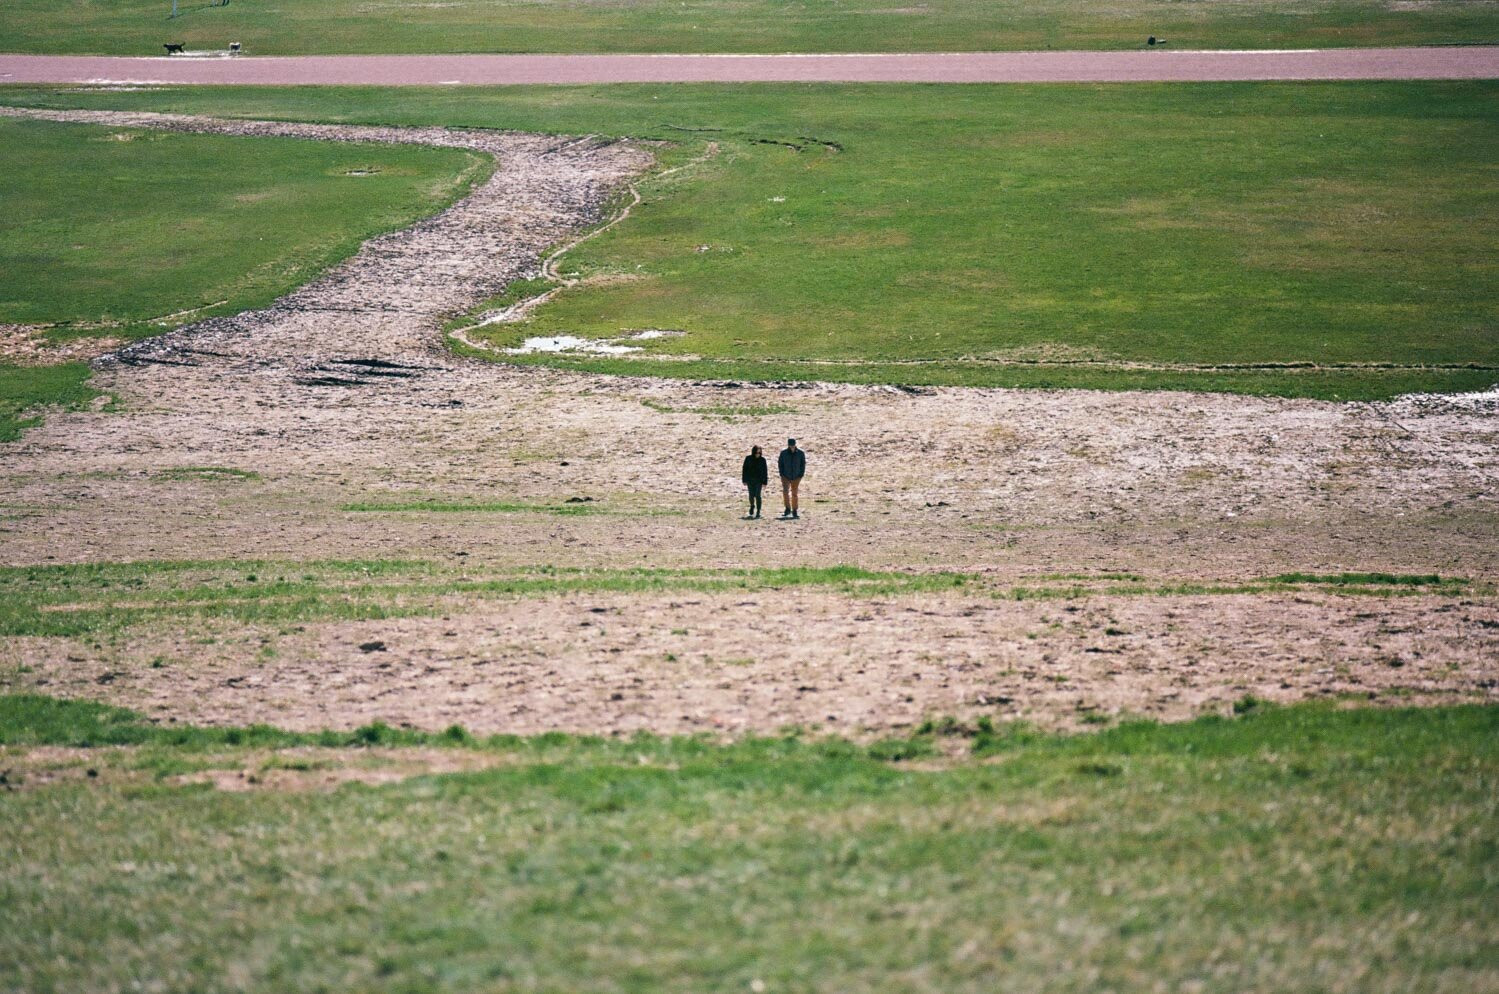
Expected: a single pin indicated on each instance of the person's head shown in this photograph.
(755, 450)
(790, 443)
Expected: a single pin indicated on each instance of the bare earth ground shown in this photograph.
(1172, 486)
(734, 663)
(1158, 65)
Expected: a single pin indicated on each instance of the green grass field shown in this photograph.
(121, 225)
(1095, 236)
(1300, 849)
(116, 232)
(287, 27)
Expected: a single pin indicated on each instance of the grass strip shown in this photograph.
(97, 599)
(318, 27)
(438, 506)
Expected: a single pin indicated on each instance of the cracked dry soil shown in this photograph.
(341, 392)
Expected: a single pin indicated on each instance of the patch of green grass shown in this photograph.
(1364, 579)
(210, 473)
(121, 226)
(26, 390)
(290, 27)
(727, 412)
(1324, 846)
(1309, 239)
(1108, 237)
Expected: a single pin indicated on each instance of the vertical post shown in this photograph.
(174, 8)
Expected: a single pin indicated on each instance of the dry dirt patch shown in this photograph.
(26, 345)
(757, 663)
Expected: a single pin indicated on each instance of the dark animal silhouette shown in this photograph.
(173, 49)
(1153, 40)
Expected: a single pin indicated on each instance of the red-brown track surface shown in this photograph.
(1475, 62)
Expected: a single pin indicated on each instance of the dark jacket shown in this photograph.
(792, 465)
(755, 471)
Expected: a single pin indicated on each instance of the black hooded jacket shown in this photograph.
(755, 471)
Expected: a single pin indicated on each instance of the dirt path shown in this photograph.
(1157, 65)
(341, 393)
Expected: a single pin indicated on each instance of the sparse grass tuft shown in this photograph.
(1365, 579)
(208, 473)
(727, 412)
(439, 506)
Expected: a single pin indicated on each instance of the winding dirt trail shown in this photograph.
(1157, 65)
(341, 392)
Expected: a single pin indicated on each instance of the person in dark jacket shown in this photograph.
(755, 475)
(792, 465)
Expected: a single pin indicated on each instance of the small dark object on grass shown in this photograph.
(578, 500)
(233, 45)
(92, 773)
(376, 646)
(1153, 41)
(1096, 769)
(174, 49)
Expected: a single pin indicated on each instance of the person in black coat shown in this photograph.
(755, 475)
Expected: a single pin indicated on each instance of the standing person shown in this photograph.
(792, 465)
(755, 475)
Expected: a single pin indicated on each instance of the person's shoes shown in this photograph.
(796, 516)
(786, 515)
